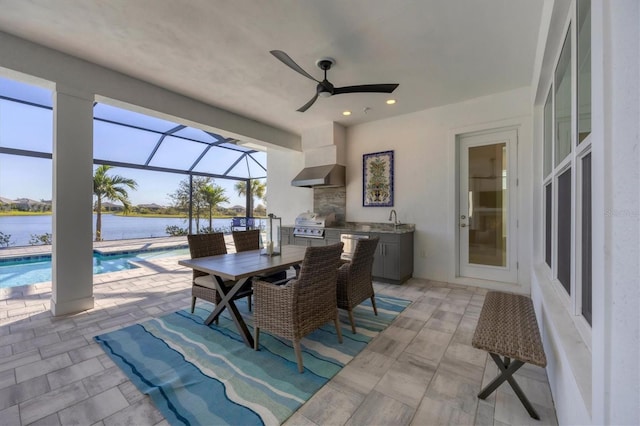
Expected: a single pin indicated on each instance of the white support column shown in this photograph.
(72, 259)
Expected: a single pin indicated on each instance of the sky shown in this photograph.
(27, 177)
(31, 128)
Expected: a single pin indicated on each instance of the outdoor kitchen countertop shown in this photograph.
(400, 228)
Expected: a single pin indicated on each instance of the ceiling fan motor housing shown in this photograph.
(324, 89)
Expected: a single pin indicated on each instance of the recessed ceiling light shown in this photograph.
(346, 112)
(391, 101)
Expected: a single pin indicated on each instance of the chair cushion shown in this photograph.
(278, 276)
(207, 281)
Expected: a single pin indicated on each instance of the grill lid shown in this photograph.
(314, 220)
(311, 225)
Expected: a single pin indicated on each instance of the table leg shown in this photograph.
(227, 295)
(507, 369)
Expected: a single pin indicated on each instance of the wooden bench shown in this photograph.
(507, 327)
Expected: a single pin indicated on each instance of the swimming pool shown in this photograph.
(36, 269)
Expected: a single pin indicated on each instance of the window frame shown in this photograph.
(573, 161)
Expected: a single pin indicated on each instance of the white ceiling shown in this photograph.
(439, 51)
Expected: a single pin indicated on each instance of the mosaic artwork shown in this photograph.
(377, 179)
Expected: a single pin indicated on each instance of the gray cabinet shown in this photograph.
(308, 242)
(332, 236)
(286, 233)
(393, 261)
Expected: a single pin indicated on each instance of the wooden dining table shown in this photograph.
(240, 267)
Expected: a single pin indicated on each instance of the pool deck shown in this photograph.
(107, 247)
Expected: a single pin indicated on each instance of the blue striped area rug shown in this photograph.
(206, 375)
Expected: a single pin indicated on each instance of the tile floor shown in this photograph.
(421, 370)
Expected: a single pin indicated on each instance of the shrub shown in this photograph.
(44, 239)
(176, 231)
(5, 239)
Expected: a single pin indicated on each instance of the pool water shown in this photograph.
(32, 270)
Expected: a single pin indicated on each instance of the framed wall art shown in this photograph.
(377, 179)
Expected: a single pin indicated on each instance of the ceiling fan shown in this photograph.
(324, 87)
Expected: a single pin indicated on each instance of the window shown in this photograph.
(566, 168)
(564, 230)
(548, 136)
(586, 238)
(562, 84)
(584, 69)
(548, 206)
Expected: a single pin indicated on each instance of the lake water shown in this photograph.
(113, 227)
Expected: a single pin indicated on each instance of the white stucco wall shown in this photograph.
(425, 170)
(283, 167)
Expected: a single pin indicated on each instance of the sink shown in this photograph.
(382, 227)
(394, 227)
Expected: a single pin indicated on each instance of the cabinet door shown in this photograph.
(405, 260)
(378, 260)
(316, 242)
(378, 263)
(285, 233)
(332, 237)
(387, 258)
(301, 241)
(391, 258)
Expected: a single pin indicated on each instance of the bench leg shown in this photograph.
(507, 369)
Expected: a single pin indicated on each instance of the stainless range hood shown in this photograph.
(320, 176)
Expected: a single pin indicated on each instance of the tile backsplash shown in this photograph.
(331, 200)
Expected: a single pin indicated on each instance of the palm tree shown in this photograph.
(258, 190)
(112, 188)
(213, 195)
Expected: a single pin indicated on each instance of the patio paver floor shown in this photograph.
(421, 370)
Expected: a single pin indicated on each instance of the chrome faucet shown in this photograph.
(393, 215)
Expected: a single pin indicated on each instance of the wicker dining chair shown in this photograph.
(302, 305)
(250, 240)
(202, 245)
(354, 279)
(246, 240)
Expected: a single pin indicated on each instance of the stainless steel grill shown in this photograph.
(311, 225)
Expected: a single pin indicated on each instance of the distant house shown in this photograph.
(29, 205)
(111, 207)
(152, 206)
(5, 203)
(237, 209)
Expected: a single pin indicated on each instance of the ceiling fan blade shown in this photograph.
(308, 104)
(285, 59)
(366, 88)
